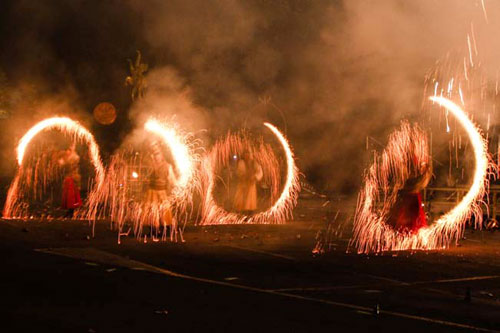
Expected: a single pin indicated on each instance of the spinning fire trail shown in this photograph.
(68, 127)
(123, 173)
(372, 234)
(280, 209)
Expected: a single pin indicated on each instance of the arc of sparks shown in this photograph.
(277, 213)
(123, 209)
(180, 152)
(291, 170)
(371, 234)
(67, 126)
(479, 145)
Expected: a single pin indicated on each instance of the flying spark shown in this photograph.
(372, 234)
(281, 208)
(68, 127)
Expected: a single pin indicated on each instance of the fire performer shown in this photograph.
(71, 185)
(249, 172)
(159, 186)
(407, 214)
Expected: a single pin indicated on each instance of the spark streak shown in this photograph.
(66, 126)
(484, 11)
(372, 234)
(180, 152)
(280, 209)
(123, 206)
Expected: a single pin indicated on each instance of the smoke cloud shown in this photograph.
(330, 73)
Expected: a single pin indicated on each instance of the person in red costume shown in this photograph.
(407, 214)
(71, 185)
(71, 192)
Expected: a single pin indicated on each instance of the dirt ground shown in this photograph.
(56, 277)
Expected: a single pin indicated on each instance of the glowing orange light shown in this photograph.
(277, 213)
(66, 126)
(180, 151)
(123, 208)
(371, 234)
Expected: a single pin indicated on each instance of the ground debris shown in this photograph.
(161, 312)
(486, 293)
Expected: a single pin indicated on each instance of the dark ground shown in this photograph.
(239, 278)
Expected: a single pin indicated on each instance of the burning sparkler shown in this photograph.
(15, 205)
(220, 155)
(406, 148)
(123, 195)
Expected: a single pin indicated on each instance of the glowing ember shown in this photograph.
(280, 209)
(66, 126)
(124, 198)
(386, 176)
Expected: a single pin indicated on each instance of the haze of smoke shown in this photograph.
(338, 71)
(31, 105)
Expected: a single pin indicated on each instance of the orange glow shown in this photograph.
(372, 234)
(66, 126)
(184, 160)
(123, 208)
(280, 210)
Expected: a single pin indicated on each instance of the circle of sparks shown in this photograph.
(122, 208)
(371, 234)
(66, 126)
(183, 157)
(278, 213)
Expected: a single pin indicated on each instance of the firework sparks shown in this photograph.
(372, 234)
(122, 195)
(280, 209)
(68, 127)
(468, 206)
(180, 151)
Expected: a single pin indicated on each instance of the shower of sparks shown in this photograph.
(388, 174)
(219, 157)
(462, 76)
(181, 153)
(14, 205)
(122, 198)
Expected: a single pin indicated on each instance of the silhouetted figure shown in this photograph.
(159, 187)
(249, 172)
(72, 181)
(407, 214)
